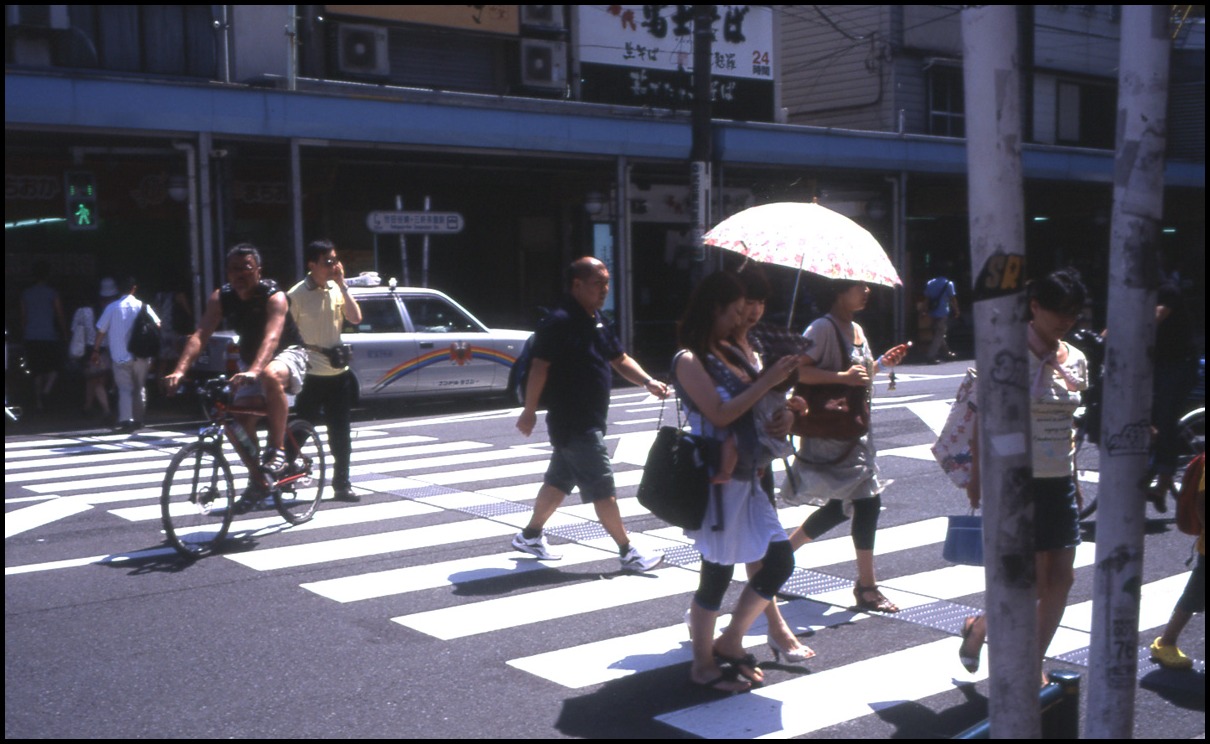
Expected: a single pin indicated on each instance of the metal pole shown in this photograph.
(702, 147)
(997, 226)
(292, 48)
(296, 216)
(424, 265)
(1138, 202)
(403, 247)
(206, 217)
(623, 252)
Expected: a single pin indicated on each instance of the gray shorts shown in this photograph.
(584, 462)
(295, 359)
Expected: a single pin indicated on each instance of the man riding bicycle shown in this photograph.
(271, 349)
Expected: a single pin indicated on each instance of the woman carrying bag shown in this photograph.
(841, 475)
(741, 524)
(1058, 372)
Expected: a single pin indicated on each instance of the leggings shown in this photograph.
(1193, 599)
(865, 520)
(776, 567)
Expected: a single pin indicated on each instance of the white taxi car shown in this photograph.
(411, 342)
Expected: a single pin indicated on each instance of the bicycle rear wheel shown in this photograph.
(196, 499)
(301, 486)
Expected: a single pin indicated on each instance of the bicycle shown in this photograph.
(1191, 429)
(197, 501)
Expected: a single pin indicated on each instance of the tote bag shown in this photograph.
(964, 540)
(952, 450)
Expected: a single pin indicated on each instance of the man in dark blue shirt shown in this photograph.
(574, 356)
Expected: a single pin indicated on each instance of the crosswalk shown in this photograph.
(422, 493)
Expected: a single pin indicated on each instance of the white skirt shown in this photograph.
(748, 523)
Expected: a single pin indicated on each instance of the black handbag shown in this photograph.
(676, 478)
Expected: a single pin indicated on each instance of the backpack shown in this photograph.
(1186, 500)
(518, 374)
(144, 339)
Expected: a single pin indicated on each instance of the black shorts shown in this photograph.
(1056, 518)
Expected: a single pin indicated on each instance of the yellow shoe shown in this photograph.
(1169, 657)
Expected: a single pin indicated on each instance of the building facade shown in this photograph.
(551, 132)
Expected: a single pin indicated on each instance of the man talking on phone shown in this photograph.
(321, 304)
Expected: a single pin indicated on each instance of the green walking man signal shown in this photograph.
(80, 187)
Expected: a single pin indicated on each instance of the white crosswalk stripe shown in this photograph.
(422, 492)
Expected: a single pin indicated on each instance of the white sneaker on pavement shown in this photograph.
(537, 547)
(637, 561)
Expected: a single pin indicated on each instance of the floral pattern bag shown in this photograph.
(952, 449)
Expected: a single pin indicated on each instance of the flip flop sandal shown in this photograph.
(738, 663)
(728, 675)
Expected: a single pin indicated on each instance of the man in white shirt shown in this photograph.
(129, 373)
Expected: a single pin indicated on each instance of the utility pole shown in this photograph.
(997, 227)
(702, 152)
(1138, 203)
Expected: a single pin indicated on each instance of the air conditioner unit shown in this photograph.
(544, 63)
(543, 16)
(362, 50)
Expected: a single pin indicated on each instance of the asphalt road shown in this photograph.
(408, 616)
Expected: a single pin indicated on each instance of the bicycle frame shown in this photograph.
(224, 420)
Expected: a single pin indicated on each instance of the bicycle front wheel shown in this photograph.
(1191, 442)
(301, 487)
(196, 499)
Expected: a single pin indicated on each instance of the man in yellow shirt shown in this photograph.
(320, 304)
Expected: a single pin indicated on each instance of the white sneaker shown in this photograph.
(636, 561)
(537, 547)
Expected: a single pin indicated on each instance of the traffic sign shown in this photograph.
(414, 222)
(80, 188)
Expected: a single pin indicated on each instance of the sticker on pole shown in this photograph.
(1003, 274)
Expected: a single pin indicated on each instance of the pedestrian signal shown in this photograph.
(81, 191)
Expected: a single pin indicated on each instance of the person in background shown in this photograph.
(94, 371)
(43, 329)
(1164, 650)
(841, 476)
(176, 323)
(129, 372)
(740, 524)
(321, 305)
(1174, 379)
(942, 304)
(1058, 372)
(574, 356)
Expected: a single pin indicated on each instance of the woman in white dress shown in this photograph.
(741, 524)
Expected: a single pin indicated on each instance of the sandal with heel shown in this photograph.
(870, 598)
(972, 643)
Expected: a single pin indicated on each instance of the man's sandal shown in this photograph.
(869, 598)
